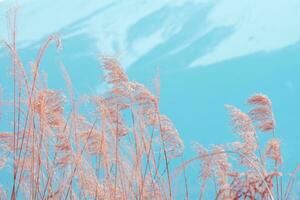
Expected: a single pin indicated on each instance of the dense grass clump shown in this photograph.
(124, 147)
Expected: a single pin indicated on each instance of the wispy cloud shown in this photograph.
(107, 22)
(257, 25)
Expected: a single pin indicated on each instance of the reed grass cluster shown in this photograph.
(124, 147)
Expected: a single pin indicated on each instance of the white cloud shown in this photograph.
(258, 26)
(108, 26)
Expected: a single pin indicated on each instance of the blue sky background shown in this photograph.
(209, 53)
